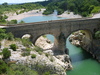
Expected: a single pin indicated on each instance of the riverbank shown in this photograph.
(25, 14)
(66, 14)
(96, 15)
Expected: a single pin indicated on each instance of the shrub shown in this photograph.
(47, 73)
(4, 35)
(21, 22)
(26, 42)
(22, 70)
(12, 22)
(13, 47)
(27, 53)
(3, 67)
(6, 53)
(33, 56)
(38, 49)
(10, 36)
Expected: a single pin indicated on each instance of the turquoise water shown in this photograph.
(40, 18)
(82, 61)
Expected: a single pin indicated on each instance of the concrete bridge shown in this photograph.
(60, 29)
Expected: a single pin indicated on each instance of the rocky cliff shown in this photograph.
(41, 60)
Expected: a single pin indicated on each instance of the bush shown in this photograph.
(10, 36)
(22, 70)
(47, 73)
(4, 35)
(3, 67)
(6, 53)
(26, 42)
(13, 47)
(33, 56)
(21, 22)
(38, 49)
(27, 53)
(12, 22)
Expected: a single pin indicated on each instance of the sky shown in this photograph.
(19, 1)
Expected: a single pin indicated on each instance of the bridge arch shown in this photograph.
(44, 42)
(85, 40)
(35, 38)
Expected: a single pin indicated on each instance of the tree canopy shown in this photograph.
(82, 7)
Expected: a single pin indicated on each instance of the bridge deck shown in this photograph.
(50, 21)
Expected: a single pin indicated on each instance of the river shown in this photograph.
(82, 61)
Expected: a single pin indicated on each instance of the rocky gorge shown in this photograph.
(79, 39)
(41, 59)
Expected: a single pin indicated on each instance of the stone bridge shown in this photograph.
(60, 29)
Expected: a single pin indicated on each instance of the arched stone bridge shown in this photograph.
(60, 29)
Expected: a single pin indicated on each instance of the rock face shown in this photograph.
(44, 43)
(78, 39)
(42, 62)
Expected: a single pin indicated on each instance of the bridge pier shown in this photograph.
(59, 44)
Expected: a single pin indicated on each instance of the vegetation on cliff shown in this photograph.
(17, 8)
(82, 7)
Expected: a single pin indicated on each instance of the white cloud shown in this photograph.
(18, 1)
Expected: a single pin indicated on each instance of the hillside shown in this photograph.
(16, 9)
(81, 7)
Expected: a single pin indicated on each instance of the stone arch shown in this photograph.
(86, 42)
(35, 38)
(43, 42)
